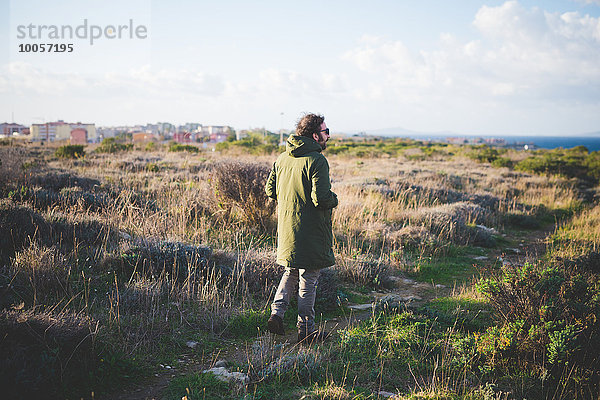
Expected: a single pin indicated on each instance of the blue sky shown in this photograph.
(470, 67)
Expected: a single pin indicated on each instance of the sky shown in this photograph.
(518, 67)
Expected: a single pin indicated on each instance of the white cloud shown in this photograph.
(596, 2)
(525, 53)
(180, 93)
(23, 78)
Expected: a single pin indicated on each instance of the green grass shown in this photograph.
(445, 270)
(247, 324)
(470, 313)
(380, 353)
(199, 387)
(273, 390)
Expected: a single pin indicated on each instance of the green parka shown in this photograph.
(299, 181)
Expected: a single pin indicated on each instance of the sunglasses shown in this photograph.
(326, 131)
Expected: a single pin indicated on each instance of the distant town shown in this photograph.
(83, 133)
(191, 132)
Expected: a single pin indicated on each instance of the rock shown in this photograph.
(221, 363)
(361, 307)
(223, 375)
(485, 229)
(393, 301)
(408, 281)
(479, 258)
(386, 394)
(124, 235)
(191, 344)
(438, 286)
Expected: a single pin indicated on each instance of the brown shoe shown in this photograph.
(275, 325)
(313, 337)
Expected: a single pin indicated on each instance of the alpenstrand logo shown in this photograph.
(86, 31)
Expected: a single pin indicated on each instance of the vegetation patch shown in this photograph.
(70, 151)
(175, 147)
(45, 354)
(111, 145)
(240, 190)
(576, 162)
(198, 387)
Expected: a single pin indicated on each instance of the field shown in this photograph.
(463, 272)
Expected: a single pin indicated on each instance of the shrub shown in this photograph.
(183, 147)
(549, 319)
(501, 162)
(11, 166)
(56, 182)
(457, 222)
(175, 259)
(254, 143)
(240, 185)
(110, 145)
(571, 163)
(43, 354)
(362, 273)
(42, 270)
(150, 146)
(18, 225)
(70, 151)
(484, 153)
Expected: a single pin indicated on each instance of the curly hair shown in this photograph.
(309, 124)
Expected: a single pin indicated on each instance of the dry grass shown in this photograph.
(90, 233)
(43, 270)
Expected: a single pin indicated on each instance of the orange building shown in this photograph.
(138, 137)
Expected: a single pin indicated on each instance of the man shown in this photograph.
(299, 181)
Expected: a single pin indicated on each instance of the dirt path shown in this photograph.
(529, 246)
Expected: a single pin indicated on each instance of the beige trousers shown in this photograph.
(306, 279)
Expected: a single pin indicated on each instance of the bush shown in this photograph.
(42, 271)
(501, 162)
(254, 143)
(11, 166)
(150, 146)
(240, 185)
(571, 163)
(174, 258)
(44, 355)
(70, 151)
(18, 226)
(549, 320)
(183, 147)
(484, 153)
(110, 145)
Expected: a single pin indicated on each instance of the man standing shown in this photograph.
(299, 181)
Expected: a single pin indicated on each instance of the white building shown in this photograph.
(60, 130)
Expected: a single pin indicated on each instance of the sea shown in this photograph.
(592, 143)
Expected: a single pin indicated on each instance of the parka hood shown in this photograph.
(298, 146)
